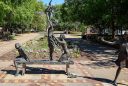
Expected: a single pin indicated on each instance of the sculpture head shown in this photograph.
(17, 46)
(125, 36)
(62, 37)
(50, 3)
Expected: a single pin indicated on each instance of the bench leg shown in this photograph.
(70, 75)
(67, 67)
(17, 70)
(23, 68)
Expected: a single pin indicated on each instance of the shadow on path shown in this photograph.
(104, 80)
(105, 64)
(92, 48)
(103, 55)
(32, 70)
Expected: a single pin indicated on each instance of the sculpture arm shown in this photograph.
(127, 49)
(61, 42)
(50, 2)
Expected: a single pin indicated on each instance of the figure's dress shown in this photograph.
(122, 60)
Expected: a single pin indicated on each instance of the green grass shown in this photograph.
(37, 44)
(37, 48)
(42, 43)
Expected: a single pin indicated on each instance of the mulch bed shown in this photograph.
(11, 56)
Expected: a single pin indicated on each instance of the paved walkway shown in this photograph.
(54, 75)
(101, 66)
(99, 72)
(48, 75)
(7, 46)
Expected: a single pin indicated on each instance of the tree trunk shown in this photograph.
(113, 29)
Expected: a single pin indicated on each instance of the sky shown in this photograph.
(53, 1)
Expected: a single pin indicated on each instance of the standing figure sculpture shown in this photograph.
(52, 40)
(122, 61)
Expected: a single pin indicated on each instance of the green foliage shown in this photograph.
(11, 37)
(99, 13)
(22, 15)
(82, 27)
(4, 9)
(57, 12)
(39, 20)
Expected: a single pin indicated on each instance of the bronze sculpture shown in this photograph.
(65, 55)
(21, 52)
(53, 42)
(51, 38)
(122, 61)
(21, 57)
(22, 60)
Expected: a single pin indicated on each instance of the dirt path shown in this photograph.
(7, 46)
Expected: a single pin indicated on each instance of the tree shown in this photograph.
(4, 9)
(21, 15)
(39, 19)
(100, 13)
